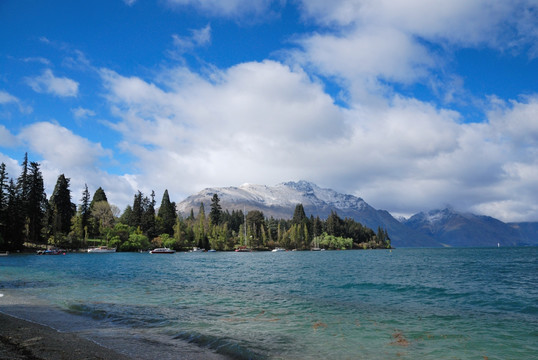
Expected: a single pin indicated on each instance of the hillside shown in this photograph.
(452, 228)
(279, 202)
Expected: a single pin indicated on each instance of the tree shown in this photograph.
(167, 215)
(4, 186)
(61, 206)
(36, 205)
(255, 226)
(84, 208)
(136, 211)
(148, 223)
(98, 196)
(298, 215)
(93, 226)
(216, 210)
(103, 214)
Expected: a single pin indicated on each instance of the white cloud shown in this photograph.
(6, 99)
(516, 121)
(267, 123)
(6, 138)
(198, 37)
(81, 113)
(227, 8)
(60, 151)
(48, 83)
(61, 146)
(456, 22)
(366, 44)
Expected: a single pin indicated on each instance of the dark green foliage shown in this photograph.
(98, 196)
(84, 208)
(216, 210)
(4, 195)
(36, 205)
(148, 223)
(61, 206)
(167, 215)
(299, 215)
(23, 206)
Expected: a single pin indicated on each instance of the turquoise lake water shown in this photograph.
(406, 303)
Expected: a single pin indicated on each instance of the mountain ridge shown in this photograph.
(435, 228)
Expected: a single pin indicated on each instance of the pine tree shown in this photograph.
(36, 205)
(85, 212)
(15, 223)
(216, 210)
(148, 224)
(136, 214)
(4, 186)
(167, 214)
(62, 207)
(298, 215)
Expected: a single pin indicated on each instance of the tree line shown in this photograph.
(29, 220)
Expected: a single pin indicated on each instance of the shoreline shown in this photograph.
(25, 340)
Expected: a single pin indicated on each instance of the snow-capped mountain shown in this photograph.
(452, 228)
(434, 228)
(279, 201)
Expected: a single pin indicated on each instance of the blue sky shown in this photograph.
(411, 105)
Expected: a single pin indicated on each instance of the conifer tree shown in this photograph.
(136, 212)
(15, 223)
(216, 210)
(61, 206)
(85, 212)
(4, 186)
(167, 214)
(148, 224)
(298, 215)
(36, 204)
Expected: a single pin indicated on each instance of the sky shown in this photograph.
(412, 105)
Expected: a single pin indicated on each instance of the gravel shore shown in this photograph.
(20, 339)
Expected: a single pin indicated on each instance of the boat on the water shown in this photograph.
(197, 249)
(5, 253)
(162, 251)
(243, 249)
(278, 249)
(51, 252)
(101, 249)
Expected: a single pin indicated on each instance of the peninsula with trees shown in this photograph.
(29, 220)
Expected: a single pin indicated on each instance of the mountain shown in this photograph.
(452, 228)
(434, 228)
(279, 202)
(528, 232)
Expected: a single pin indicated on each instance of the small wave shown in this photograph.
(223, 346)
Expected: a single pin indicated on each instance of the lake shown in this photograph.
(406, 303)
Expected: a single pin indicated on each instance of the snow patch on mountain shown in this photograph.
(286, 194)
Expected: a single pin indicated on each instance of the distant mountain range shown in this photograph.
(435, 228)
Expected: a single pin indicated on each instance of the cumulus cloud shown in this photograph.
(6, 138)
(266, 122)
(198, 37)
(50, 84)
(61, 146)
(60, 151)
(250, 114)
(371, 45)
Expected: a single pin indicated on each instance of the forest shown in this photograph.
(29, 221)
